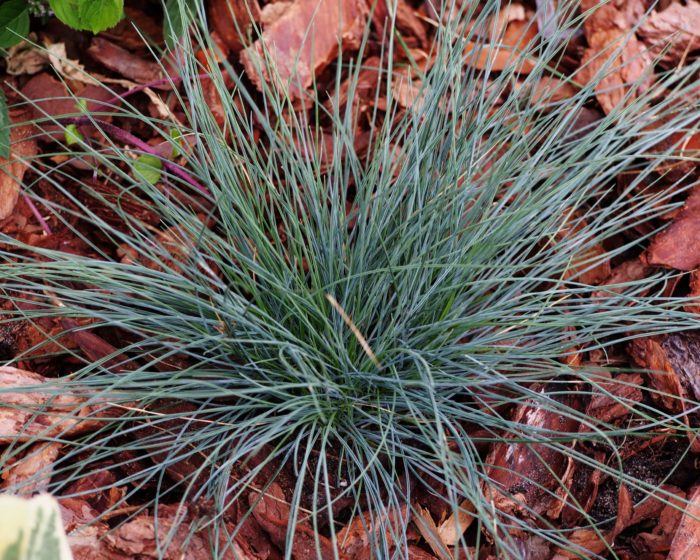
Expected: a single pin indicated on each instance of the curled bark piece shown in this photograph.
(686, 542)
(672, 33)
(303, 41)
(520, 474)
(12, 171)
(231, 19)
(678, 246)
(615, 60)
(27, 412)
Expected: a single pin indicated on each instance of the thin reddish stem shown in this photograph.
(35, 211)
(121, 134)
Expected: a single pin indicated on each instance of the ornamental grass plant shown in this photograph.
(361, 323)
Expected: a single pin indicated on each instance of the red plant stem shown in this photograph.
(39, 218)
(121, 134)
(156, 83)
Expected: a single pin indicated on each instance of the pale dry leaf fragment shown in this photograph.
(672, 33)
(303, 41)
(28, 411)
(25, 59)
(429, 531)
(452, 529)
(686, 542)
(12, 171)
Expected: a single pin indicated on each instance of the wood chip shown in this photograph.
(356, 539)
(452, 529)
(124, 63)
(678, 246)
(517, 476)
(272, 512)
(31, 474)
(12, 171)
(27, 413)
(614, 399)
(232, 19)
(303, 41)
(672, 33)
(686, 542)
(615, 59)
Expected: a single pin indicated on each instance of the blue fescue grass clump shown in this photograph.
(372, 307)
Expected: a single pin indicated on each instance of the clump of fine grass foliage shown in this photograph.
(367, 310)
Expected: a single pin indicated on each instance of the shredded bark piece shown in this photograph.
(615, 59)
(517, 478)
(232, 19)
(672, 33)
(678, 246)
(26, 413)
(12, 171)
(686, 543)
(303, 41)
(126, 64)
(31, 474)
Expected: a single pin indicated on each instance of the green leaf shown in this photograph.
(90, 15)
(174, 25)
(73, 135)
(148, 167)
(4, 127)
(14, 22)
(98, 15)
(67, 12)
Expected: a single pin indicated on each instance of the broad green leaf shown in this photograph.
(32, 529)
(91, 15)
(4, 127)
(14, 22)
(67, 12)
(173, 24)
(98, 15)
(148, 167)
(73, 135)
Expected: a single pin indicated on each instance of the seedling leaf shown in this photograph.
(148, 167)
(4, 127)
(73, 135)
